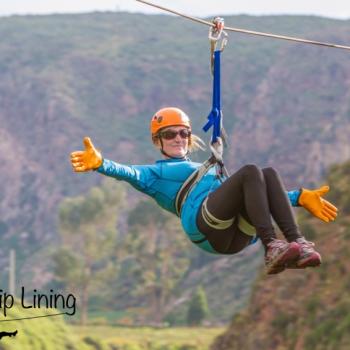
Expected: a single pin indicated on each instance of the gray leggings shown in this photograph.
(256, 195)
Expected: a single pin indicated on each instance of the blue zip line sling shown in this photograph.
(214, 118)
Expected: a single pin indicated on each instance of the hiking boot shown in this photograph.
(309, 257)
(279, 254)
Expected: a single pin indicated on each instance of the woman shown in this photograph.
(219, 217)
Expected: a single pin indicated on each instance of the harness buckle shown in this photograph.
(217, 149)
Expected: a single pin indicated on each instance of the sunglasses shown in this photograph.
(171, 134)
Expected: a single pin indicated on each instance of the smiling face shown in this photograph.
(175, 141)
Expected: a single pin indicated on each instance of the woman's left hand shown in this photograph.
(312, 201)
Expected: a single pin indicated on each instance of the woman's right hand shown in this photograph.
(89, 159)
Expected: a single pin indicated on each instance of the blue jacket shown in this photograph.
(163, 180)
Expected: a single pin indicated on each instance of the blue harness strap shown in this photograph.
(214, 118)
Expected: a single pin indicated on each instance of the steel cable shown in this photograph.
(251, 32)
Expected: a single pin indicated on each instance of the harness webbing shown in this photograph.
(190, 182)
(215, 116)
(214, 120)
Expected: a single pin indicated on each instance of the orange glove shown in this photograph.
(90, 159)
(312, 201)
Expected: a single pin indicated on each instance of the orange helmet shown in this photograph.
(169, 116)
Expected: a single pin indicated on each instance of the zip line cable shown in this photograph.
(251, 32)
(178, 13)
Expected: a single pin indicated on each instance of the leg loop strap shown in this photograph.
(212, 221)
(219, 224)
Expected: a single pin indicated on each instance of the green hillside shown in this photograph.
(104, 75)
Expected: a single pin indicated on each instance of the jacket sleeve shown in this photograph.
(139, 176)
(294, 197)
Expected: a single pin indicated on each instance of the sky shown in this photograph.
(327, 8)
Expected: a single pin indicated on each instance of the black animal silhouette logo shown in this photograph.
(8, 334)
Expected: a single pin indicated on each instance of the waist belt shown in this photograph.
(190, 183)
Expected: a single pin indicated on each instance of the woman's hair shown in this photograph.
(195, 143)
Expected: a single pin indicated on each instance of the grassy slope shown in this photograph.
(49, 333)
(151, 338)
(53, 333)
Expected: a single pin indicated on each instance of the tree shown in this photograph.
(198, 308)
(87, 226)
(158, 258)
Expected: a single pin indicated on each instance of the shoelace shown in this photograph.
(277, 243)
(275, 246)
(307, 246)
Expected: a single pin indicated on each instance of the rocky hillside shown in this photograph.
(303, 309)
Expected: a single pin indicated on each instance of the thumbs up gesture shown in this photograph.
(312, 201)
(86, 160)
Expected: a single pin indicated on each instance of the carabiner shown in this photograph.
(217, 28)
(216, 32)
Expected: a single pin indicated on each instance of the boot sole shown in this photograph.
(313, 261)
